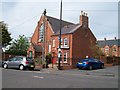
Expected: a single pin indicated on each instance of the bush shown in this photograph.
(38, 61)
(16, 52)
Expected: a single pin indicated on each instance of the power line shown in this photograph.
(73, 17)
(24, 22)
(90, 10)
(104, 25)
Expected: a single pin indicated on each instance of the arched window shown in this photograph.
(41, 33)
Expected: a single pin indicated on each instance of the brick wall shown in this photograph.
(83, 39)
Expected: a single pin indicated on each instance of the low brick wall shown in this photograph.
(67, 67)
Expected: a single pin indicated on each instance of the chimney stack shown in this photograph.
(115, 38)
(84, 19)
(105, 38)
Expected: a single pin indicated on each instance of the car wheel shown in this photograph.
(21, 67)
(5, 66)
(90, 67)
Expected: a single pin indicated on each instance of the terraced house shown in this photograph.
(110, 47)
(76, 39)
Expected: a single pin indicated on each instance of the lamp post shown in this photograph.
(59, 50)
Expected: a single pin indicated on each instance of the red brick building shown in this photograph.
(110, 47)
(76, 39)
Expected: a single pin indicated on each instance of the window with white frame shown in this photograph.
(114, 49)
(106, 49)
(65, 42)
(49, 48)
(41, 33)
(65, 56)
(53, 42)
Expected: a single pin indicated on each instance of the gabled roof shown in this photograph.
(110, 43)
(55, 23)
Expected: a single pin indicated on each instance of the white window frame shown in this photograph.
(65, 57)
(41, 33)
(114, 49)
(65, 41)
(106, 49)
(53, 43)
(49, 46)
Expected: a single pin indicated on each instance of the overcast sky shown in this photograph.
(22, 15)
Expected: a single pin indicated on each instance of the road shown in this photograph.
(59, 79)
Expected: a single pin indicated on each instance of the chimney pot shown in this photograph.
(84, 19)
(105, 39)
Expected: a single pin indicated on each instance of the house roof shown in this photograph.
(37, 48)
(68, 29)
(110, 43)
(55, 23)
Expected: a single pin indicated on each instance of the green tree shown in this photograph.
(96, 51)
(5, 34)
(19, 46)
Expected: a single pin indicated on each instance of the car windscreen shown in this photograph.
(85, 60)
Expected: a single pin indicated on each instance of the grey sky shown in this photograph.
(22, 17)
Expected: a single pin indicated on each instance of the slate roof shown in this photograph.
(110, 43)
(68, 29)
(55, 23)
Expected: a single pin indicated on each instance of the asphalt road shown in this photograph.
(0, 63)
(59, 79)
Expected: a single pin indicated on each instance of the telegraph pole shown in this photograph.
(43, 49)
(59, 50)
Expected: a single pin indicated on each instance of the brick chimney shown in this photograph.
(105, 39)
(115, 38)
(84, 19)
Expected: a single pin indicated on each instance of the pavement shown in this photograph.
(107, 71)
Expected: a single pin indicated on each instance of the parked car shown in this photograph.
(20, 62)
(90, 63)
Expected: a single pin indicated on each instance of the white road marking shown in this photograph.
(38, 77)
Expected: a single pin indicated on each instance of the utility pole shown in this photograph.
(43, 49)
(59, 50)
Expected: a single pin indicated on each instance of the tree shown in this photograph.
(19, 46)
(5, 34)
(96, 51)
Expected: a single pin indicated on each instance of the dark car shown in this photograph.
(90, 63)
(20, 62)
